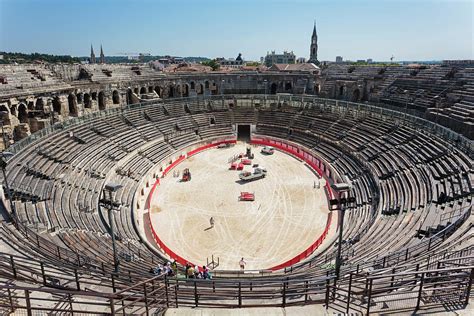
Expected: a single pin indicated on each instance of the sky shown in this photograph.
(354, 29)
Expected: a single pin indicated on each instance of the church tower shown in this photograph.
(92, 59)
(102, 56)
(313, 52)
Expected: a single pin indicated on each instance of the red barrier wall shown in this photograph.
(173, 164)
(315, 163)
(295, 151)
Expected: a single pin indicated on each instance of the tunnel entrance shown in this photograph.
(243, 132)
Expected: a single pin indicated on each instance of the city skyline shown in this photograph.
(407, 30)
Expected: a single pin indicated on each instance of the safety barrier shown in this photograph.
(173, 164)
(313, 162)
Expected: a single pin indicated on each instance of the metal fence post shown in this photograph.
(349, 293)
(327, 293)
(78, 285)
(12, 262)
(195, 294)
(369, 298)
(146, 298)
(469, 286)
(42, 273)
(28, 303)
(240, 294)
(419, 292)
(166, 292)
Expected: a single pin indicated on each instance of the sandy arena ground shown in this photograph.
(287, 216)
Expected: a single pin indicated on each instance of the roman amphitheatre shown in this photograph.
(111, 171)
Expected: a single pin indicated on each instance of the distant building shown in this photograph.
(369, 60)
(1, 57)
(92, 58)
(102, 56)
(361, 60)
(301, 60)
(231, 63)
(168, 60)
(285, 58)
(339, 59)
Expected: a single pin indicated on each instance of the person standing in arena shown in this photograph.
(242, 264)
(211, 221)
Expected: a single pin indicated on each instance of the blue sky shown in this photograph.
(410, 30)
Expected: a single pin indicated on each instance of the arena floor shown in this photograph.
(287, 216)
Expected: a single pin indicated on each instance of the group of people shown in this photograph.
(171, 269)
(191, 272)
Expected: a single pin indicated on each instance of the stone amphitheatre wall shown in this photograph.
(35, 96)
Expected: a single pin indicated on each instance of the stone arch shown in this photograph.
(200, 89)
(80, 97)
(129, 95)
(87, 101)
(341, 91)
(31, 106)
(101, 100)
(317, 89)
(273, 88)
(355, 95)
(57, 105)
(288, 86)
(22, 113)
(150, 89)
(193, 85)
(94, 96)
(159, 91)
(142, 90)
(115, 97)
(72, 104)
(186, 90)
(13, 110)
(206, 84)
(171, 92)
(136, 91)
(39, 105)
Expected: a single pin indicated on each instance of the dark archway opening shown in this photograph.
(22, 113)
(287, 86)
(57, 105)
(243, 132)
(129, 96)
(71, 101)
(87, 101)
(341, 91)
(158, 91)
(150, 89)
(143, 90)
(115, 97)
(273, 88)
(355, 95)
(39, 106)
(13, 110)
(79, 98)
(101, 100)
(186, 90)
(171, 92)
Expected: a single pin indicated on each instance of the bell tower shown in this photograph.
(313, 51)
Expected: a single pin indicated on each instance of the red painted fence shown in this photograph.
(314, 162)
